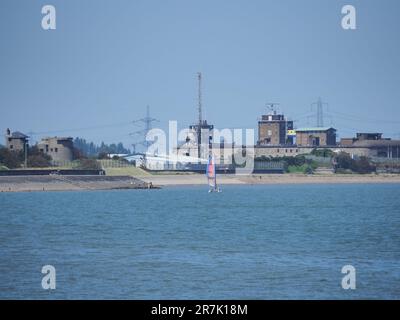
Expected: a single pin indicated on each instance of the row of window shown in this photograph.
(51, 149)
(286, 150)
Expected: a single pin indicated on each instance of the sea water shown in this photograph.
(248, 242)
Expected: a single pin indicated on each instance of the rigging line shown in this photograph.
(358, 118)
(348, 129)
(304, 114)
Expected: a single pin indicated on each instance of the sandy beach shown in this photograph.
(69, 183)
(199, 179)
(81, 183)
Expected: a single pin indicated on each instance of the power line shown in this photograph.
(80, 129)
(320, 112)
(350, 117)
(147, 121)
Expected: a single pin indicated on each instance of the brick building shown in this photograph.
(273, 130)
(316, 137)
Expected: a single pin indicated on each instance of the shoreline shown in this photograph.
(87, 183)
(70, 183)
(270, 179)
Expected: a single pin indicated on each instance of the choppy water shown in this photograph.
(248, 242)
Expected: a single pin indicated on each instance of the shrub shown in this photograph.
(325, 153)
(361, 165)
(343, 161)
(39, 161)
(89, 164)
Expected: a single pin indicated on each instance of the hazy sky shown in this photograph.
(107, 60)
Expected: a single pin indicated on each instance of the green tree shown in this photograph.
(103, 155)
(37, 159)
(325, 153)
(11, 159)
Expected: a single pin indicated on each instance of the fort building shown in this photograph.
(273, 130)
(59, 148)
(315, 137)
(16, 141)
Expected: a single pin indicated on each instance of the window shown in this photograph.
(269, 132)
(51, 150)
(56, 150)
(11, 146)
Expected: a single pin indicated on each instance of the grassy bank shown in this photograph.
(126, 171)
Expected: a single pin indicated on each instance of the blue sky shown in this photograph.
(107, 60)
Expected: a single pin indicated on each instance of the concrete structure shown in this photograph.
(371, 145)
(369, 136)
(273, 130)
(16, 141)
(59, 148)
(315, 137)
(201, 134)
(380, 148)
(346, 142)
(199, 138)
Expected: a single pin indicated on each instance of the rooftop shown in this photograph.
(315, 129)
(18, 135)
(58, 138)
(377, 143)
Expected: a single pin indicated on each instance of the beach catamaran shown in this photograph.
(212, 175)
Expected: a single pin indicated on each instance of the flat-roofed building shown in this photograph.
(314, 137)
(368, 136)
(347, 141)
(375, 145)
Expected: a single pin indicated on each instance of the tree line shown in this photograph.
(91, 149)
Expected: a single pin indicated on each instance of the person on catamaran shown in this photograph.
(211, 174)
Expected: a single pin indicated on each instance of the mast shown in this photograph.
(200, 115)
(199, 99)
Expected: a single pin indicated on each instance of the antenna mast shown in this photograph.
(271, 106)
(199, 102)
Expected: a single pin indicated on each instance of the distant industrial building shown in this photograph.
(274, 129)
(59, 148)
(16, 141)
(373, 145)
(316, 137)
